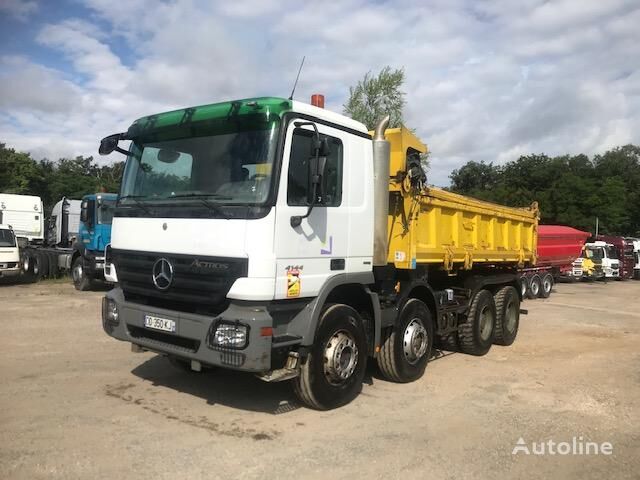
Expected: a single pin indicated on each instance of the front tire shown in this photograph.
(78, 273)
(475, 335)
(405, 352)
(331, 376)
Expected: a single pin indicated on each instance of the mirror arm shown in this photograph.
(296, 220)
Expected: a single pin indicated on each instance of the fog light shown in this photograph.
(110, 311)
(230, 335)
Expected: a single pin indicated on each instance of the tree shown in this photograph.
(570, 190)
(376, 96)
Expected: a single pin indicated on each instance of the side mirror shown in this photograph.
(85, 216)
(317, 167)
(110, 144)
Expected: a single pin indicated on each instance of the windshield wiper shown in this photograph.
(138, 202)
(201, 197)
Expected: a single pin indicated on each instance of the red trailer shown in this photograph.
(558, 247)
(624, 249)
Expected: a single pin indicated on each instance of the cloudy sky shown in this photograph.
(485, 79)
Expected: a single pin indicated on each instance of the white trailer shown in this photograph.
(25, 214)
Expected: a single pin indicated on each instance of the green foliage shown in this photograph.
(570, 190)
(72, 178)
(376, 96)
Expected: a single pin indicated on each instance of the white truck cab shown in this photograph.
(636, 254)
(9, 252)
(607, 252)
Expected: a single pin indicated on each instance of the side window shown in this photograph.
(298, 183)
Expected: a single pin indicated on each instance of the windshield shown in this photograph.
(231, 165)
(105, 212)
(7, 239)
(594, 253)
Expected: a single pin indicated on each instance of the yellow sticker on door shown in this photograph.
(293, 282)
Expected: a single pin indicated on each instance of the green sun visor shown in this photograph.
(216, 118)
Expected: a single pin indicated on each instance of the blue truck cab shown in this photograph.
(94, 235)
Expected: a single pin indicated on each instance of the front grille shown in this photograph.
(164, 339)
(200, 284)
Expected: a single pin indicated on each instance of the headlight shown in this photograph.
(230, 335)
(110, 311)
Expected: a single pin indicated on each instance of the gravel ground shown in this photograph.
(75, 403)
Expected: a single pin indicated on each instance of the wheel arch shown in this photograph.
(349, 289)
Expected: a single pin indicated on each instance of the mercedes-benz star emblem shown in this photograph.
(162, 274)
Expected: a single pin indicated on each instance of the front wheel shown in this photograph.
(406, 350)
(78, 272)
(332, 373)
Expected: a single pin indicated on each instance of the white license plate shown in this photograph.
(158, 323)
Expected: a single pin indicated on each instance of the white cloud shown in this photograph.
(484, 80)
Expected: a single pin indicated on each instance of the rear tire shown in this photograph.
(546, 285)
(535, 285)
(475, 335)
(507, 316)
(524, 286)
(405, 352)
(332, 373)
(80, 280)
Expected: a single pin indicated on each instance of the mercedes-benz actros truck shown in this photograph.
(276, 237)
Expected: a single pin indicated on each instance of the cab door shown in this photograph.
(309, 254)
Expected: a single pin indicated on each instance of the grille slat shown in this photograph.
(200, 284)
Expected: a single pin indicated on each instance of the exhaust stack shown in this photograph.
(381, 160)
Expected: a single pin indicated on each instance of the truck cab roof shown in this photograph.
(270, 106)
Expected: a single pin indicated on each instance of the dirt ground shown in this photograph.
(75, 403)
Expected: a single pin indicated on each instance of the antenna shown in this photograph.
(297, 77)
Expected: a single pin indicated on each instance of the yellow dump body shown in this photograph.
(433, 226)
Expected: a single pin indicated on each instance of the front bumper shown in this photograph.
(10, 271)
(192, 335)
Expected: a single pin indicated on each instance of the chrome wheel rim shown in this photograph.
(486, 323)
(415, 341)
(340, 357)
(535, 288)
(523, 286)
(547, 285)
(77, 273)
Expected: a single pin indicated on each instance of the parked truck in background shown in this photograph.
(87, 263)
(636, 252)
(588, 266)
(45, 247)
(558, 247)
(9, 252)
(608, 257)
(623, 252)
(276, 237)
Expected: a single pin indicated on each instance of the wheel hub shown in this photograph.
(415, 341)
(340, 357)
